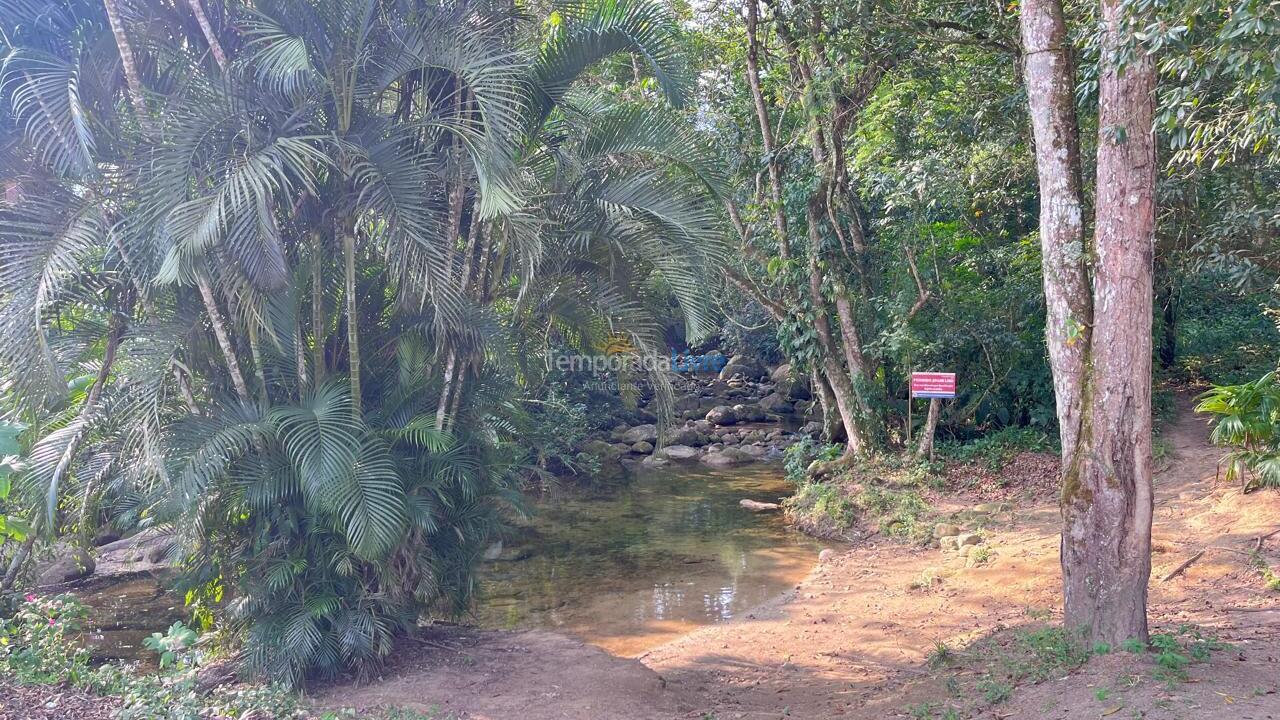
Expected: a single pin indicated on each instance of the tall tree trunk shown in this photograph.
(1099, 333)
(222, 336)
(259, 372)
(442, 408)
(766, 129)
(317, 310)
(1166, 300)
(1107, 506)
(837, 375)
(831, 420)
(1050, 79)
(925, 448)
(127, 62)
(353, 319)
(210, 36)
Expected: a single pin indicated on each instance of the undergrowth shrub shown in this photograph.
(1248, 422)
(38, 646)
(882, 489)
(997, 448)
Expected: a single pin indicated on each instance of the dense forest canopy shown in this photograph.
(279, 277)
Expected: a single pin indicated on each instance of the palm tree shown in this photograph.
(298, 279)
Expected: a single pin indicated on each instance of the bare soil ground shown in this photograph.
(862, 636)
(18, 702)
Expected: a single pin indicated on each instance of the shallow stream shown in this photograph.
(637, 566)
(626, 568)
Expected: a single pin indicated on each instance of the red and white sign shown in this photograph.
(933, 385)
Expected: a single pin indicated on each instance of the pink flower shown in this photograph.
(51, 623)
(31, 597)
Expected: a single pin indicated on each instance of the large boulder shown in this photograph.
(640, 433)
(642, 448)
(605, 457)
(748, 413)
(727, 457)
(71, 564)
(777, 404)
(748, 367)
(781, 372)
(722, 415)
(793, 388)
(653, 461)
(679, 452)
(684, 436)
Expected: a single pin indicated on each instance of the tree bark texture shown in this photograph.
(1099, 328)
(353, 320)
(222, 336)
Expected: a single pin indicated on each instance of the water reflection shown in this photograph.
(630, 570)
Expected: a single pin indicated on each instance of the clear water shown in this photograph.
(626, 569)
(648, 562)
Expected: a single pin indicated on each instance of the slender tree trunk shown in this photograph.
(766, 129)
(299, 355)
(222, 336)
(925, 448)
(837, 375)
(1050, 81)
(317, 311)
(210, 36)
(442, 408)
(184, 387)
(831, 420)
(859, 372)
(259, 372)
(1166, 300)
(353, 320)
(127, 62)
(1099, 333)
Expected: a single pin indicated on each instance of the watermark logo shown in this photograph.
(619, 354)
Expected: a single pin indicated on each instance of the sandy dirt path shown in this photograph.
(853, 639)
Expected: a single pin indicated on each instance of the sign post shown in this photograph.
(935, 386)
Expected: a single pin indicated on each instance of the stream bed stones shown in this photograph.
(748, 413)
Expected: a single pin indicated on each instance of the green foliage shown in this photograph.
(12, 527)
(1174, 651)
(172, 644)
(804, 452)
(883, 489)
(994, 691)
(996, 449)
(39, 645)
(1223, 335)
(35, 644)
(302, 299)
(1248, 421)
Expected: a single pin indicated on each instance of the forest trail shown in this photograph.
(854, 639)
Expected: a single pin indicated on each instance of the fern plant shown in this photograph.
(1248, 422)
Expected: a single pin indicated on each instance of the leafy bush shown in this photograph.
(800, 455)
(1223, 337)
(1248, 420)
(38, 647)
(35, 646)
(997, 448)
(171, 645)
